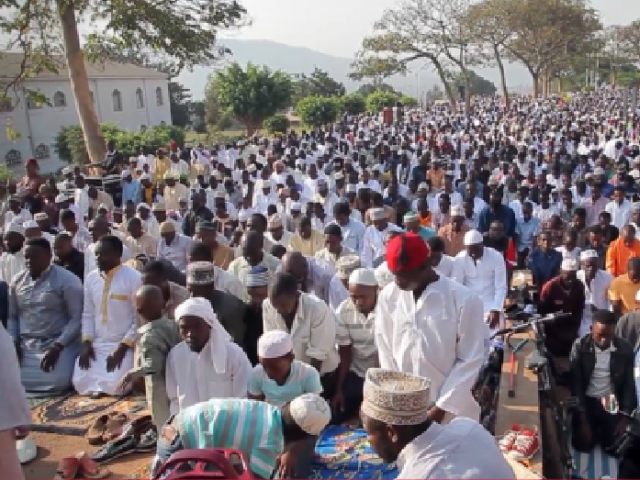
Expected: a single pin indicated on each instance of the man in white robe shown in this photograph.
(108, 322)
(207, 364)
(431, 326)
(373, 241)
(596, 287)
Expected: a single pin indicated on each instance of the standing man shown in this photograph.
(437, 331)
(108, 322)
(596, 286)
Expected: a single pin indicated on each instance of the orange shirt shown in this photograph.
(425, 221)
(623, 290)
(618, 255)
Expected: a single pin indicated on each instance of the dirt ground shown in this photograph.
(52, 448)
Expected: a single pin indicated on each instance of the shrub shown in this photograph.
(278, 123)
(317, 111)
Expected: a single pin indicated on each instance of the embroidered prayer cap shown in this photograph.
(406, 252)
(39, 217)
(275, 221)
(311, 412)
(588, 254)
(200, 273)
(363, 276)
(158, 207)
(396, 398)
(457, 211)
(258, 276)
(167, 227)
(569, 265)
(274, 344)
(346, 265)
(410, 217)
(351, 188)
(378, 214)
(472, 237)
(211, 226)
(14, 227)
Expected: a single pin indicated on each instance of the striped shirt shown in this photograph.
(251, 426)
(353, 328)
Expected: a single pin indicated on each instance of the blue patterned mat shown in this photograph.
(344, 452)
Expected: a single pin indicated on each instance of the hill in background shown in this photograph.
(293, 59)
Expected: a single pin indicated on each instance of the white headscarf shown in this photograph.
(218, 338)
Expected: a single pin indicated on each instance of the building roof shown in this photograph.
(10, 65)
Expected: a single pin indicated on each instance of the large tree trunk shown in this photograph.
(91, 131)
(447, 86)
(535, 76)
(503, 76)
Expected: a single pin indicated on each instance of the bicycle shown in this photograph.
(542, 364)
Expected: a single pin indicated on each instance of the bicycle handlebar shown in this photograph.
(525, 326)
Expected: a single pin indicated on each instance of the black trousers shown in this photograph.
(602, 424)
(522, 259)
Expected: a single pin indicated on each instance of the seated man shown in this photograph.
(272, 437)
(395, 414)
(108, 322)
(207, 364)
(601, 368)
(45, 310)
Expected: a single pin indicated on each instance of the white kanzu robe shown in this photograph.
(108, 319)
(442, 337)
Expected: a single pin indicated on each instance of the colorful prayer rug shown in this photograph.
(344, 452)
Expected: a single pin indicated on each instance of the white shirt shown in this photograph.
(81, 200)
(23, 216)
(636, 373)
(619, 212)
(352, 233)
(180, 168)
(90, 263)
(460, 449)
(356, 329)
(177, 253)
(12, 264)
(313, 331)
(337, 293)
(595, 295)
(442, 337)
(373, 243)
(486, 277)
(445, 267)
(192, 379)
(285, 240)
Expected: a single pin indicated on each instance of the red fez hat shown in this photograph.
(34, 162)
(407, 252)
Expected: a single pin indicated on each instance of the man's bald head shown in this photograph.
(297, 265)
(150, 302)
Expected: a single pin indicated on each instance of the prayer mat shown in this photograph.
(595, 464)
(73, 414)
(37, 401)
(344, 452)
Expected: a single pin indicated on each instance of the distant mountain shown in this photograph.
(293, 59)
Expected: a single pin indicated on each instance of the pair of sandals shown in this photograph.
(107, 428)
(80, 466)
(137, 436)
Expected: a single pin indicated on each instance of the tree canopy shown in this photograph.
(380, 99)
(249, 95)
(318, 111)
(479, 85)
(319, 84)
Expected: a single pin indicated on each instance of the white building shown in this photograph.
(127, 95)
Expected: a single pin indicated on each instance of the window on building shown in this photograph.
(139, 98)
(117, 101)
(6, 105)
(59, 100)
(159, 99)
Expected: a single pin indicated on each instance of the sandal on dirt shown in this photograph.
(89, 468)
(115, 426)
(97, 429)
(68, 468)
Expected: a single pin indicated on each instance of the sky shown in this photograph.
(337, 27)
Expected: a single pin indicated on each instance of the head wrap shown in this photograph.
(396, 398)
(311, 412)
(274, 344)
(363, 276)
(347, 264)
(569, 265)
(201, 273)
(167, 227)
(472, 237)
(415, 250)
(258, 276)
(219, 337)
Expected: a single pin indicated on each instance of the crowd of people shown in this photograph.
(265, 288)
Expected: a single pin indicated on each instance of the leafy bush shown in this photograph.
(70, 144)
(5, 174)
(379, 99)
(354, 104)
(278, 123)
(317, 111)
(408, 101)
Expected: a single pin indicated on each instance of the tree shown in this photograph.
(368, 88)
(46, 31)
(250, 95)
(380, 99)
(319, 83)
(198, 115)
(279, 123)
(318, 111)
(354, 104)
(408, 101)
(430, 31)
(435, 93)
(630, 40)
(478, 84)
(180, 102)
